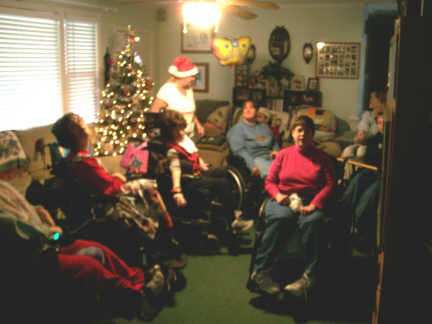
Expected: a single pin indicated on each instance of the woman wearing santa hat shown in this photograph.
(177, 94)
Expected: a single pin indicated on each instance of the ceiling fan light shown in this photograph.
(320, 45)
(201, 14)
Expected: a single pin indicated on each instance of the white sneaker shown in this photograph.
(302, 286)
(156, 284)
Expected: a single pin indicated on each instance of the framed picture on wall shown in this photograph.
(312, 84)
(196, 40)
(338, 60)
(202, 78)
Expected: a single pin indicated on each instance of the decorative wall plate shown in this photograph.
(279, 43)
(251, 54)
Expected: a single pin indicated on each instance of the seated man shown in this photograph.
(367, 126)
(253, 141)
(81, 261)
(361, 195)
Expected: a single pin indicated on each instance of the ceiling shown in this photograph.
(280, 2)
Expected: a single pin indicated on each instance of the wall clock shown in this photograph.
(307, 52)
(279, 43)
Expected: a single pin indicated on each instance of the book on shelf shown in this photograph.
(275, 104)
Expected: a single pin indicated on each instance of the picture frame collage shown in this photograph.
(198, 41)
(338, 60)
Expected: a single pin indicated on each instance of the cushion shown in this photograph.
(331, 148)
(236, 116)
(13, 159)
(34, 142)
(218, 119)
(283, 119)
(205, 107)
(325, 122)
(214, 143)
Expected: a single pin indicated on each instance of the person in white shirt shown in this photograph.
(367, 126)
(177, 94)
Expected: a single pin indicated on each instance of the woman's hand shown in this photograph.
(307, 209)
(45, 216)
(255, 171)
(179, 199)
(360, 137)
(47, 219)
(200, 129)
(131, 187)
(56, 229)
(203, 165)
(119, 176)
(282, 199)
(273, 154)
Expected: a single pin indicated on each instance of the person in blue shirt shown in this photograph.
(253, 141)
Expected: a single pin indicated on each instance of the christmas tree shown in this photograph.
(125, 98)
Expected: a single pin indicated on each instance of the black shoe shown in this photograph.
(148, 310)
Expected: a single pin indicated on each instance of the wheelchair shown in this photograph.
(99, 218)
(289, 261)
(198, 225)
(253, 192)
(195, 223)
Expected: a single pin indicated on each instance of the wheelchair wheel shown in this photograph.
(260, 221)
(238, 187)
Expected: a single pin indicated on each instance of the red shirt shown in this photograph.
(308, 173)
(88, 171)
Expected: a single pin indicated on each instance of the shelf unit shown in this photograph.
(290, 99)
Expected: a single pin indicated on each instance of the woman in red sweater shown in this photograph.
(300, 181)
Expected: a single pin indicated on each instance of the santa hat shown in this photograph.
(182, 67)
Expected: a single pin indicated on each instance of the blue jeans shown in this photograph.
(263, 164)
(361, 197)
(281, 222)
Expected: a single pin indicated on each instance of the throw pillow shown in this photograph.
(34, 142)
(218, 118)
(13, 160)
(324, 120)
(281, 119)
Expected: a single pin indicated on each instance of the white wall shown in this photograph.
(305, 23)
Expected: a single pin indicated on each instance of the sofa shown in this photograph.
(216, 117)
(25, 156)
(332, 134)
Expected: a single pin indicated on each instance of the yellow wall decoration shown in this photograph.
(230, 51)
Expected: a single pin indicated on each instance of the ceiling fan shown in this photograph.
(233, 7)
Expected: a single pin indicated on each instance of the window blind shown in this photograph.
(39, 79)
(81, 90)
(30, 71)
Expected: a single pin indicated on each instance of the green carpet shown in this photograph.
(216, 293)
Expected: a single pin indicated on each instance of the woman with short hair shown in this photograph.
(300, 183)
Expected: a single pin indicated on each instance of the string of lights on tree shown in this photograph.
(126, 97)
